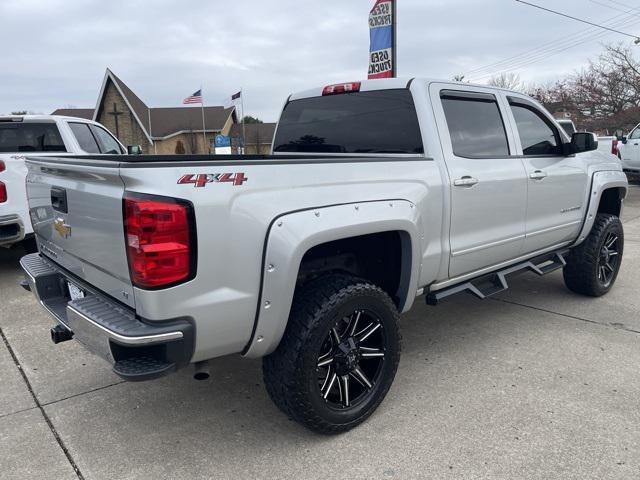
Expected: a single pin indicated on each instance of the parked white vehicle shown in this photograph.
(45, 135)
(630, 151)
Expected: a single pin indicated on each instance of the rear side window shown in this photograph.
(381, 121)
(30, 137)
(85, 138)
(108, 144)
(537, 135)
(475, 125)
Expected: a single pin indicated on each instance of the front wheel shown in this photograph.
(338, 356)
(593, 266)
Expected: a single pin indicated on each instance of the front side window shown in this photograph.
(16, 137)
(85, 138)
(108, 144)
(475, 125)
(537, 136)
(635, 134)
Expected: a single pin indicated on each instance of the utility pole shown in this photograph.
(394, 43)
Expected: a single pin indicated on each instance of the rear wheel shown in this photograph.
(593, 266)
(338, 356)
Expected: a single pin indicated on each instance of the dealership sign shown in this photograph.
(382, 39)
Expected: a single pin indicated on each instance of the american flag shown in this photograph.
(195, 98)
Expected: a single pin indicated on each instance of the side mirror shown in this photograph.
(584, 142)
(134, 150)
(624, 139)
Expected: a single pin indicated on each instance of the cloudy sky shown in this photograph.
(54, 52)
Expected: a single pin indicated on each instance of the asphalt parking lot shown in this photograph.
(535, 383)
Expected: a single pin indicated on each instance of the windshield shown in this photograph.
(381, 121)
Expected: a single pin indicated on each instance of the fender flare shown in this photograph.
(291, 235)
(601, 181)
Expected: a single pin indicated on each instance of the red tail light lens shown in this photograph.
(614, 147)
(3, 193)
(341, 88)
(160, 235)
(2, 166)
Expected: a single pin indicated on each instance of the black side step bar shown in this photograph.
(495, 282)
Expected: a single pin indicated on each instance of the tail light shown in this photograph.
(161, 240)
(614, 147)
(3, 187)
(341, 88)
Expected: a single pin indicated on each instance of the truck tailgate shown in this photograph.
(76, 211)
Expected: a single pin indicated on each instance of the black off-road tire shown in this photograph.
(581, 272)
(290, 372)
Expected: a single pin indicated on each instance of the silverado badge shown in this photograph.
(62, 228)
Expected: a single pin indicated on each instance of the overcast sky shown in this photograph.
(54, 52)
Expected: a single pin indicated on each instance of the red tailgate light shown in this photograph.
(3, 187)
(341, 88)
(160, 235)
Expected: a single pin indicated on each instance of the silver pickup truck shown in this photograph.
(377, 193)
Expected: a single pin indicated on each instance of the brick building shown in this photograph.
(158, 130)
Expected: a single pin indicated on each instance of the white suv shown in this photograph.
(43, 135)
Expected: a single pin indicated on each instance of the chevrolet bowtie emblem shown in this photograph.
(62, 228)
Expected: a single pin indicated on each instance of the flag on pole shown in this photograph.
(230, 101)
(195, 98)
(382, 39)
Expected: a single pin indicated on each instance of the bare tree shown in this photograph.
(510, 81)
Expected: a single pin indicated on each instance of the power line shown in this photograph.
(607, 5)
(546, 53)
(578, 19)
(574, 39)
(540, 56)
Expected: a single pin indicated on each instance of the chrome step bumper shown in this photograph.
(108, 329)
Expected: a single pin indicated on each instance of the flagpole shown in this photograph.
(204, 135)
(244, 136)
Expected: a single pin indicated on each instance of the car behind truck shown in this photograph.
(377, 192)
(44, 135)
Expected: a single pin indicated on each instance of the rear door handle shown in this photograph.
(465, 181)
(538, 175)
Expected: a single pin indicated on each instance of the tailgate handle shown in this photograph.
(59, 199)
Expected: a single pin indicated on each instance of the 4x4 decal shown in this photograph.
(201, 179)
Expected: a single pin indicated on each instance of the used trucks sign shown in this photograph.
(381, 40)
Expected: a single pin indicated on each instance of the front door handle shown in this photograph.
(538, 175)
(465, 181)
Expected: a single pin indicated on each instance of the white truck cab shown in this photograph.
(44, 135)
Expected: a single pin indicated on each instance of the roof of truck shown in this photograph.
(392, 83)
(40, 118)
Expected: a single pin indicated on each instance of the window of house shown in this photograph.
(475, 124)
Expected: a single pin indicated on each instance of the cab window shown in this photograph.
(475, 124)
(537, 135)
(85, 138)
(107, 143)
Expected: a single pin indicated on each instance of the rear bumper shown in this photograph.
(11, 230)
(136, 349)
